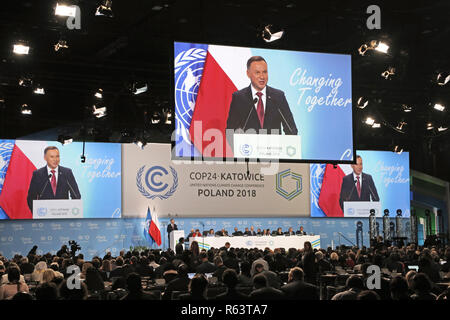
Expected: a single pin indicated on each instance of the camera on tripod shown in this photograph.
(74, 247)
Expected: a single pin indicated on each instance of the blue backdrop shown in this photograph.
(97, 236)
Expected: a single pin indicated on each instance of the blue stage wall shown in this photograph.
(97, 236)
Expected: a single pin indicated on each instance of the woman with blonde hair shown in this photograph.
(39, 269)
(48, 275)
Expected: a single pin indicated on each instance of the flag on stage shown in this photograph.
(224, 73)
(331, 190)
(26, 157)
(152, 230)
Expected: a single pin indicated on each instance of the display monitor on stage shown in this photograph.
(240, 102)
(49, 180)
(379, 180)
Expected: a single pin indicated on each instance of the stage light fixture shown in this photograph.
(376, 125)
(25, 109)
(441, 129)
(406, 108)
(400, 125)
(139, 87)
(39, 90)
(430, 126)
(141, 143)
(398, 149)
(370, 121)
(439, 107)
(99, 94)
(270, 33)
(105, 9)
(99, 112)
(65, 10)
(381, 47)
(25, 82)
(20, 48)
(373, 45)
(168, 116)
(362, 103)
(443, 78)
(156, 118)
(62, 44)
(389, 73)
(64, 140)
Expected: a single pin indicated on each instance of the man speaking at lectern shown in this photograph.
(52, 181)
(358, 186)
(259, 106)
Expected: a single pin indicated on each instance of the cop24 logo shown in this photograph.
(154, 184)
(282, 188)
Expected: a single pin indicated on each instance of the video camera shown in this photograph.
(74, 247)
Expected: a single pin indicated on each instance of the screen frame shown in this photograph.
(270, 46)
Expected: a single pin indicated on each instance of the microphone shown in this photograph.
(248, 116)
(373, 194)
(287, 124)
(353, 189)
(45, 185)
(73, 192)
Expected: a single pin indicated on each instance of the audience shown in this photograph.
(241, 273)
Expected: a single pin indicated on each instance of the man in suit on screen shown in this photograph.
(259, 106)
(358, 186)
(52, 181)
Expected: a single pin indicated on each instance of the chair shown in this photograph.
(176, 294)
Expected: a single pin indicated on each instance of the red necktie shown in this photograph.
(53, 181)
(358, 187)
(260, 109)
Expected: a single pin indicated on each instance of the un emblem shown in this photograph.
(42, 212)
(188, 72)
(317, 171)
(281, 187)
(246, 149)
(153, 183)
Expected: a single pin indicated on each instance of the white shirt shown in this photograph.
(263, 97)
(49, 171)
(356, 179)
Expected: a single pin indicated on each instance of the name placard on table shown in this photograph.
(267, 146)
(58, 209)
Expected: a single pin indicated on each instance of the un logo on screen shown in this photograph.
(317, 171)
(246, 149)
(153, 183)
(42, 212)
(284, 188)
(5, 155)
(188, 72)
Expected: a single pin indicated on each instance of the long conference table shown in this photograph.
(260, 242)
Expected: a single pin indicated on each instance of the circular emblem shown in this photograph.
(188, 71)
(246, 149)
(75, 211)
(152, 179)
(42, 212)
(317, 171)
(5, 155)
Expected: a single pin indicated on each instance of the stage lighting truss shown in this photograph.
(270, 33)
(105, 9)
(373, 45)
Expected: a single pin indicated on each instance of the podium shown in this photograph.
(58, 209)
(174, 236)
(361, 209)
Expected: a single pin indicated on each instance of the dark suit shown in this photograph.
(206, 267)
(266, 293)
(40, 189)
(237, 234)
(300, 290)
(170, 229)
(232, 294)
(242, 114)
(350, 193)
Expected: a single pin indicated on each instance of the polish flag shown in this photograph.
(26, 157)
(155, 229)
(331, 189)
(224, 73)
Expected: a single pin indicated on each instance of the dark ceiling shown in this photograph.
(136, 44)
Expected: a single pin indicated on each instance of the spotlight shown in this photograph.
(156, 118)
(362, 103)
(441, 129)
(373, 45)
(141, 143)
(105, 9)
(430, 126)
(443, 78)
(20, 48)
(406, 108)
(398, 149)
(439, 107)
(389, 73)
(400, 125)
(39, 90)
(99, 94)
(168, 114)
(99, 112)
(25, 109)
(25, 82)
(270, 34)
(2, 103)
(65, 139)
(65, 10)
(62, 44)
(139, 87)
(370, 121)
(376, 125)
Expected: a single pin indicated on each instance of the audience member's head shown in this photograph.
(399, 288)
(134, 284)
(198, 285)
(72, 291)
(229, 278)
(22, 296)
(421, 283)
(259, 281)
(48, 275)
(354, 282)
(296, 274)
(13, 273)
(367, 295)
(46, 291)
